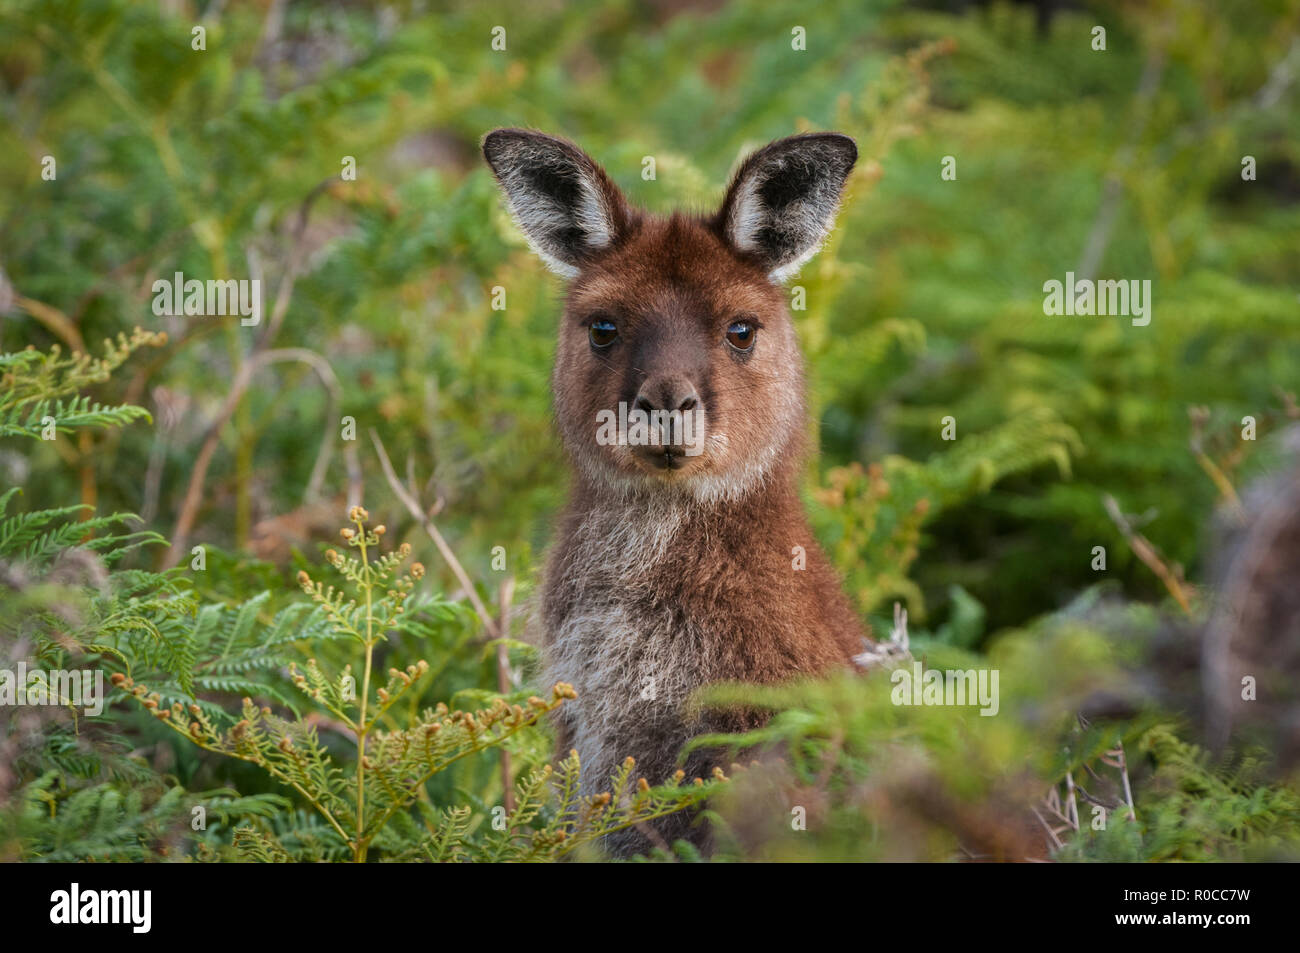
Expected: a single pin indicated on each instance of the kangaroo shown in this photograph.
(675, 564)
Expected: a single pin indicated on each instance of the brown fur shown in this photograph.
(665, 580)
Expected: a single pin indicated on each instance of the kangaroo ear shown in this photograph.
(565, 204)
(782, 201)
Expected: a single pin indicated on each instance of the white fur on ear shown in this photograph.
(783, 199)
(751, 217)
(560, 199)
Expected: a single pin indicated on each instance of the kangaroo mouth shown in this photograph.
(663, 460)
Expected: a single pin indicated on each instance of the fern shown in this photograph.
(100, 822)
(34, 385)
(372, 805)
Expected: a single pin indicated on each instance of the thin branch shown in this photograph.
(194, 492)
(297, 256)
(418, 514)
(258, 357)
(1113, 190)
(1056, 841)
(1122, 765)
(1280, 79)
(55, 321)
(504, 598)
(1146, 552)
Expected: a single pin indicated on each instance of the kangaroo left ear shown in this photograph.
(566, 205)
(782, 202)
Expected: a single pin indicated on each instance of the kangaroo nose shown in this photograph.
(671, 406)
(667, 395)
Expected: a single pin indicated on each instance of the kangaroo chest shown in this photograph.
(641, 608)
(624, 630)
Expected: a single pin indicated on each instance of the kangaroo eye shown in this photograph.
(602, 332)
(741, 335)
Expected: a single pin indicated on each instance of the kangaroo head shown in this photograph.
(677, 366)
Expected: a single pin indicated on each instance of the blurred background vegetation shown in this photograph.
(927, 303)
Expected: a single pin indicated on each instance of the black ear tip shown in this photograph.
(498, 143)
(504, 145)
(495, 142)
(833, 148)
(843, 144)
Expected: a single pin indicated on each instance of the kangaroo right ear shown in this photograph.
(782, 201)
(565, 204)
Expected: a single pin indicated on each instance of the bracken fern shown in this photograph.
(379, 803)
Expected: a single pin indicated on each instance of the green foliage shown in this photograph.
(97, 823)
(37, 538)
(877, 780)
(872, 518)
(1200, 811)
(381, 806)
(64, 597)
(67, 604)
(35, 385)
(925, 304)
(149, 626)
